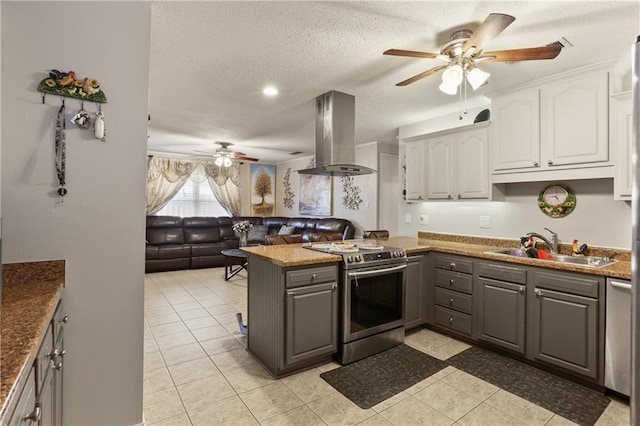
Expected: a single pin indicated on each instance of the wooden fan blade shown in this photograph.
(422, 75)
(491, 27)
(245, 158)
(411, 53)
(528, 54)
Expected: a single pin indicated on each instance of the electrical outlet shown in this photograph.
(485, 221)
(424, 219)
(407, 217)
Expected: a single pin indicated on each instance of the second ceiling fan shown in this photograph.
(464, 52)
(225, 156)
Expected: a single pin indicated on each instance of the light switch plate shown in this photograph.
(485, 221)
(407, 217)
(424, 219)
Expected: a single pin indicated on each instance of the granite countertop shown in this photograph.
(30, 294)
(295, 255)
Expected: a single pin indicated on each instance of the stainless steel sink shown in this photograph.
(590, 261)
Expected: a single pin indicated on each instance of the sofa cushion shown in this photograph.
(208, 249)
(159, 236)
(225, 224)
(274, 223)
(286, 230)
(201, 230)
(174, 251)
(257, 233)
(164, 230)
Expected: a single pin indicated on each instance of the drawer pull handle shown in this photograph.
(451, 281)
(35, 415)
(521, 290)
(550, 162)
(313, 276)
(535, 164)
(538, 292)
(450, 301)
(450, 320)
(452, 265)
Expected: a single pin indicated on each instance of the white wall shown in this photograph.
(597, 219)
(99, 229)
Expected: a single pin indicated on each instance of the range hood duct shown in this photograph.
(335, 137)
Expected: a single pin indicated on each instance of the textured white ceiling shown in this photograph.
(210, 61)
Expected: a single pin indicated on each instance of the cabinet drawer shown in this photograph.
(454, 280)
(311, 276)
(503, 273)
(26, 404)
(453, 320)
(581, 285)
(454, 300)
(453, 263)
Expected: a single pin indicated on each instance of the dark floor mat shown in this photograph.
(570, 400)
(372, 380)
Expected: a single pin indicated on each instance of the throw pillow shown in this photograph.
(257, 233)
(286, 230)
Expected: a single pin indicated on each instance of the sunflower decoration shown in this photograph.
(68, 84)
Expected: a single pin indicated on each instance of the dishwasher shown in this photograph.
(617, 357)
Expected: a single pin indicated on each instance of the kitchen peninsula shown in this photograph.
(294, 308)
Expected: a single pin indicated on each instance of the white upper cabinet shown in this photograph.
(515, 133)
(621, 131)
(574, 121)
(557, 129)
(458, 166)
(472, 178)
(440, 167)
(415, 169)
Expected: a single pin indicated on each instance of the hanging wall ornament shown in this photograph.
(351, 199)
(61, 150)
(68, 84)
(98, 125)
(288, 193)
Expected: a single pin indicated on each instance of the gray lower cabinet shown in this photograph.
(311, 321)
(40, 402)
(415, 292)
(453, 293)
(502, 305)
(566, 326)
(293, 314)
(27, 412)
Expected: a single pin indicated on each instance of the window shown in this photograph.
(195, 198)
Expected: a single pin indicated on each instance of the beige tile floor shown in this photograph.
(198, 372)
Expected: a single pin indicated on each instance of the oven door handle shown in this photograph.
(375, 272)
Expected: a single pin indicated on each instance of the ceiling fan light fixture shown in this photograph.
(453, 75)
(476, 77)
(219, 161)
(449, 89)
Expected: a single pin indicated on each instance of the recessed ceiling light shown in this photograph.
(270, 91)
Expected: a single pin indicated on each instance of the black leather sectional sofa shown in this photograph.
(197, 242)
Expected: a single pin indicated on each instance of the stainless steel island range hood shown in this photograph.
(335, 137)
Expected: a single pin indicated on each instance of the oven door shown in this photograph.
(373, 300)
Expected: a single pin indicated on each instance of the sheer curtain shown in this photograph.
(225, 184)
(166, 176)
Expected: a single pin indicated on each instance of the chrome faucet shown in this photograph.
(607, 255)
(552, 243)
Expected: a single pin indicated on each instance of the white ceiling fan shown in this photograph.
(224, 156)
(464, 52)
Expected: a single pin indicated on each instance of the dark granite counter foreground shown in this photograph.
(30, 294)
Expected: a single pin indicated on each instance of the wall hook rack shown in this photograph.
(68, 85)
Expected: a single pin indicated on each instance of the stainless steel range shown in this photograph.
(371, 298)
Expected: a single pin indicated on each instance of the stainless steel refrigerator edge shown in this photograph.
(635, 264)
